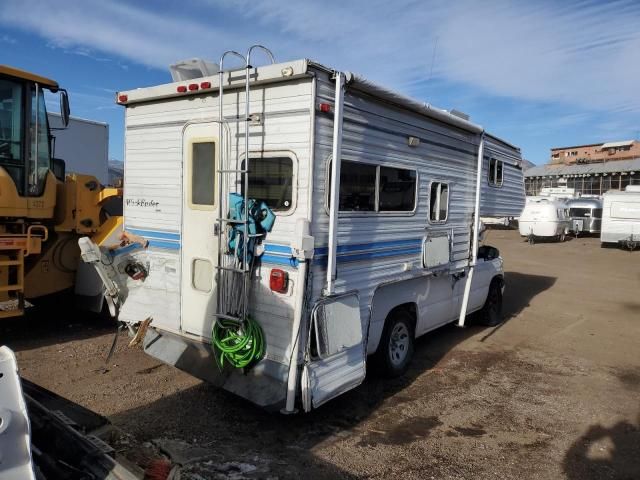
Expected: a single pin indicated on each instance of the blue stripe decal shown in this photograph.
(164, 244)
(279, 260)
(370, 246)
(155, 234)
(273, 248)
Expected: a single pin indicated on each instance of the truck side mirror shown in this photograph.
(59, 168)
(64, 108)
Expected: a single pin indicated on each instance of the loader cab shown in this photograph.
(25, 136)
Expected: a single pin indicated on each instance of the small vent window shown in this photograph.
(495, 172)
(439, 202)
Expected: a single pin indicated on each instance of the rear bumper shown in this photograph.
(265, 384)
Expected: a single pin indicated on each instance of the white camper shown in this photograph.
(374, 198)
(621, 217)
(544, 217)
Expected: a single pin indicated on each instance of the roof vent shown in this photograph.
(192, 68)
(459, 114)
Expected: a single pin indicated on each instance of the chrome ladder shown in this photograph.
(233, 277)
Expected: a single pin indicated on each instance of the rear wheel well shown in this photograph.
(410, 308)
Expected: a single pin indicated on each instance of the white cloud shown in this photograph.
(7, 39)
(584, 54)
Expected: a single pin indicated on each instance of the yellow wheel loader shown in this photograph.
(43, 210)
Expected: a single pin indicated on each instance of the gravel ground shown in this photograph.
(551, 393)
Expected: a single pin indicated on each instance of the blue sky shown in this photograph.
(539, 74)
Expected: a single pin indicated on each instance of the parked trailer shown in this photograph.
(83, 145)
(621, 217)
(366, 252)
(585, 215)
(544, 217)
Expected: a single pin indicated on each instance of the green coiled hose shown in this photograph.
(241, 344)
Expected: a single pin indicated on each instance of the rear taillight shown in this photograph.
(278, 280)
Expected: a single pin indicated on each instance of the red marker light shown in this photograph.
(325, 107)
(205, 85)
(193, 87)
(181, 89)
(122, 98)
(278, 280)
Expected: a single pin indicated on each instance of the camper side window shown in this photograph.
(495, 172)
(397, 190)
(439, 202)
(203, 173)
(373, 188)
(357, 187)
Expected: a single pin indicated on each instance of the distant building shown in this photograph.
(595, 153)
(586, 179)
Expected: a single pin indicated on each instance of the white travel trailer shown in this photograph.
(544, 217)
(375, 198)
(621, 217)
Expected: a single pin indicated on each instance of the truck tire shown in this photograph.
(491, 313)
(396, 344)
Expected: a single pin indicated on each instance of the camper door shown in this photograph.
(199, 215)
(336, 350)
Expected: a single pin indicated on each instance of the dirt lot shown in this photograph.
(554, 392)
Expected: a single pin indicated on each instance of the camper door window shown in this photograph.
(438, 202)
(495, 172)
(270, 180)
(203, 173)
(366, 187)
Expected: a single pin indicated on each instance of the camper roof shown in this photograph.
(285, 71)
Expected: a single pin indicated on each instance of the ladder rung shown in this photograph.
(229, 220)
(11, 288)
(227, 317)
(8, 263)
(232, 269)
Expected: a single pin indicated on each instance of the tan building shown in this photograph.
(595, 153)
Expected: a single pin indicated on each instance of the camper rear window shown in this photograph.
(495, 172)
(371, 188)
(270, 180)
(203, 173)
(439, 202)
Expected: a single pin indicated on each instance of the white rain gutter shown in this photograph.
(335, 182)
(475, 233)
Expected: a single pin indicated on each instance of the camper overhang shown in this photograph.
(283, 72)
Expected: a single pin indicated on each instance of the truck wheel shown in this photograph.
(491, 313)
(396, 345)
